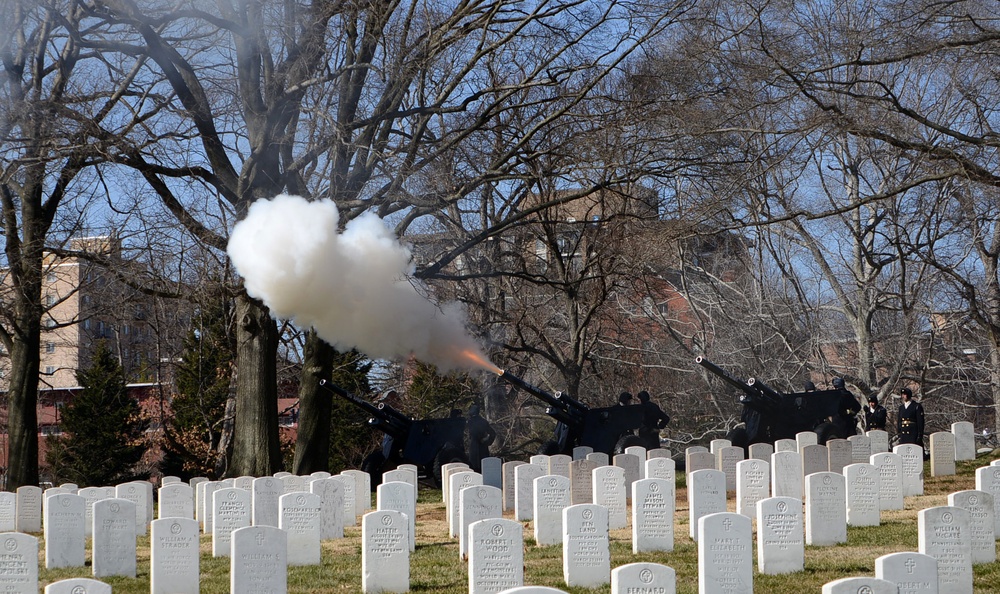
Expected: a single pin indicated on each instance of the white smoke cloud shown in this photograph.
(355, 288)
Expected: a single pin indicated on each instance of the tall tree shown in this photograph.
(52, 98)
(103, 428)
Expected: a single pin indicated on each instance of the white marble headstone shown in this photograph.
(174, 566)
(725, 554)
(786, 474)
(943, 533)
(913, 573)
(231, 510)
(652, 515)
(551, 497)
(753, 483)
(863, 507)
(496, 556)
(609, 491)
(385, 552)
(826, 509)
(982, 521)
(706, 495)
(475, 503)
(890, 485)
(638, 578)
(780, 541)
(114, 532)
(259, 560)
(19, 562)
(299, 516)
(65, 535)
(586, 546)
(965, 440)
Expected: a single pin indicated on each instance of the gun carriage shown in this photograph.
(609, 430)
(427, 443)
(770, 415)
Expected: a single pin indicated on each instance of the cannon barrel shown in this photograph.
(383, 417)
(569, 407)
(732, 381)
(770, 394)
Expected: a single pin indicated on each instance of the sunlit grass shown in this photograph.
(436, 567)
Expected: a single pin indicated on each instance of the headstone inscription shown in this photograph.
(299, 516)
(475, 503)
(586, 547)
(174, 559)
(706, 495)
(912, 572)
(19, 562)
(259, 560)
(231, 510)
(385, 553)
(114, 532)
(65, 536)
(637, 578)
(496, 556)
(826, 509)
(652, 515)
(780, 542)
(725, 554)
(943, 533)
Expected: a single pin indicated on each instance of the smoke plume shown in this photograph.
(354, 288)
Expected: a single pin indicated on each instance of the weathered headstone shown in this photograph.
(559, 464)
(114, 538)
(982, 522)
(244, 482)
(890, 486)
(331, 505)
(581, 481)
(942, 453)
(725, 554)
(862, 483)
(879, 440)
(496, 556)
(65, 536)
(293, 484)
(78, 586)
(29, 509)
(943, 533)
(348, 487)
(492, 471)
(90, 496)
(446, 471)
(405, 475)
(174, 559)
(988, 480)
(780, 543)
(786, 445)
(826, 509)
(639, 451)
(706, 495)
(815, 458)
(753, 483)
(662, 468)
(207, 492)
(913, 573)
(552, 496)
(840, 453)
(652, 515)
(700, 461)
(264, 500)
(509, 484)
(137, 493)
(541, 460)
(912, 456)
(658, 453)
(8, 511)
(586, 547)
(804, 438)
(580, 452)
(965, 440)
(231, 510)
(760, 451)
(786, 474)
(640, 578)
(456, 483)
(176, 500)
(385, 554)
(524, 490)
(362, 490)
(479, 502)
(19, 562)
(861, 448)
(726, 459)
(860, 585)
(717, 444)
(631, 464)
(299, 516)
(609, 491)
(599, 458)
(259, 560)
(398, 496)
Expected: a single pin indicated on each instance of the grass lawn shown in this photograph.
(435, 566)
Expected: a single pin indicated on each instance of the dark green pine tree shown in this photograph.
(348, 444)
(202, 385)
(103, 428)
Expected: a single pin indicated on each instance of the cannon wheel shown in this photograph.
(626, 441)
(374, 464)
(825, 432)
(738, 436)
(448, 453)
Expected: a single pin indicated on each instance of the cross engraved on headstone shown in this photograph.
(260, 540)
(728, 524)
(910, 564)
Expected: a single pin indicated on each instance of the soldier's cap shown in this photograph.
(873, 398)
(907, 391)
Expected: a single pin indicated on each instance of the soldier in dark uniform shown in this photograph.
(653, 419)
(481, 435)
(847, 410)
(910, 419)
(875, 414)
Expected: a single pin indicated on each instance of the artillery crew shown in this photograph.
(846, 419)
(875, 414)
(910, 419)
(653, 419)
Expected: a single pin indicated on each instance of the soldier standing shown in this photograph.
(481, 435)
(653, 419)
(845, 420)
(875, 414)
(910, 419)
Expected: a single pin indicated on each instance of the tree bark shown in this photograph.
(312, 447)
(256, 450)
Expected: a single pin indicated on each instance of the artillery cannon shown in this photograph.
(609, 430)
(770, 415)
(428, 443)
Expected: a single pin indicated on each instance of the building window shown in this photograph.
(50, 347)
(50, 369)
(86, 324)
(50, 323)
(50, 277)
(50, 300)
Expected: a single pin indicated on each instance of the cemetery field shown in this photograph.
(435, 567)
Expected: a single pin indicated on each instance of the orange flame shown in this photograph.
(480, 361)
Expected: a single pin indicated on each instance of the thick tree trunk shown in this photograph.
(256, 450)
(22, 454)
(312, 448)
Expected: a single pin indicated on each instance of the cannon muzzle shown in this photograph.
(383, 416)
(721, 373)
(569, 407)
